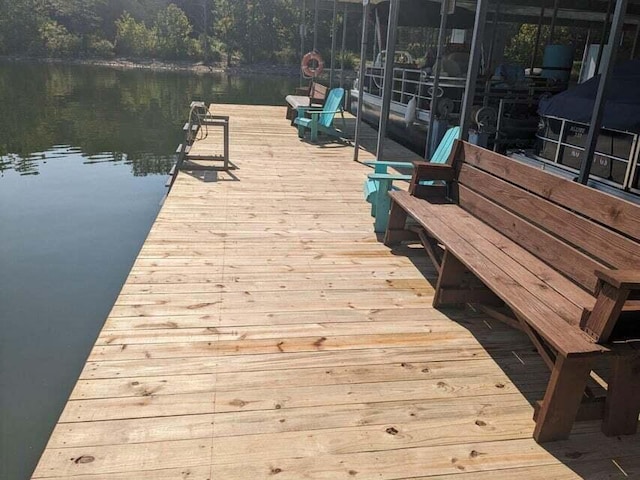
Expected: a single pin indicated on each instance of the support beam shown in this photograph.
(494, 35)
(634, 48)
(603, 36)
(474, 67)
(361, 76)
(345, 17)
(387, 86)
(333, 42)
(554, 17)
(315, 25)
(536, 44)
(437, 68)
(608, 61)
(377, 45)
(303, 32)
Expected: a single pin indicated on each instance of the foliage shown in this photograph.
(20, 22)
(134, 38)
(57, 41)
(519, 49)
(351, 60)
(209, 30)
(100, 47)
(287, 56)
(416, 50)
(173, 30)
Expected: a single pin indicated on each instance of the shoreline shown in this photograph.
(199, 68)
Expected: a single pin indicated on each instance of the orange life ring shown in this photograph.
(307, 69)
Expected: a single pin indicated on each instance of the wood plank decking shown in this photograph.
(264, 332)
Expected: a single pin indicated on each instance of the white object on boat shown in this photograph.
(410, 112)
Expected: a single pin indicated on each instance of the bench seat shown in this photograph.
(296, 101)
(532, 289)
(554, 258)
(314, 95)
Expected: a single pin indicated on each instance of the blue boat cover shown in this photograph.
(622, 107)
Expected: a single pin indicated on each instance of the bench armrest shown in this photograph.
(432, 171)
(627, 279)
(425, 171)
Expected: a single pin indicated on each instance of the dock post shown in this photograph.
(437, 68)
(333, 41)
(361, 75)
(345, 16)
(474, 67)
(387, 86)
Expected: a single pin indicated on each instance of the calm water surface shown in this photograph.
(84, 155)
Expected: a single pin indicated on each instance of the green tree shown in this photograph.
(134, 38)
(173, 32)
(521, 46)
(58, 41)
(20, 22)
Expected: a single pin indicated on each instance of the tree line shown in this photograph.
(247, 31)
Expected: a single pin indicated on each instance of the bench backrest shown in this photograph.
(573, 228)
(317, 93)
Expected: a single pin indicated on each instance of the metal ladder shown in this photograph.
(200, 117)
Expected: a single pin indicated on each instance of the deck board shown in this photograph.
(265, 332)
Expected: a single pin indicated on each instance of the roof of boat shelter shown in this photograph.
(582, 13)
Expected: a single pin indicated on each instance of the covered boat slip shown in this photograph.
(265, 332)
(469, 81)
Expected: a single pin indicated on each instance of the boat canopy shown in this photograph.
(621, 110)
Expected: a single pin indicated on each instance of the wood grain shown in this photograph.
(265, 332)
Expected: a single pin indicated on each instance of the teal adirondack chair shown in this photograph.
(378, 183)
(321, 120)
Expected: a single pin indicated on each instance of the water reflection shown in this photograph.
(130, 117)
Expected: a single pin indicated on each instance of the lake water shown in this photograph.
(84, 156)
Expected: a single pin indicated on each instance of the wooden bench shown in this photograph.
(315, 95)
(557, 259)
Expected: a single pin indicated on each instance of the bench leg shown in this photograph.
(395, 226)
(622, 406)
(452, 273)
(457, 286)
(562, 399)
(382, 206)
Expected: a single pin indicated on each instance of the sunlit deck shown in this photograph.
(265, 332)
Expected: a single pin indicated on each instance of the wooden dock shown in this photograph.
(265, 332)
